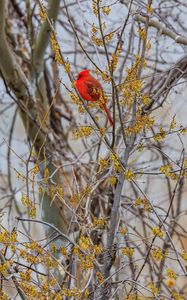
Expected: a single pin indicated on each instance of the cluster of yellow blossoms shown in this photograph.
(169, 172)
(30, 205)
(86, 252)
(158, 232)
(143, 202)
(83, 131)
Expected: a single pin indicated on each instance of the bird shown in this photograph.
(90, 89)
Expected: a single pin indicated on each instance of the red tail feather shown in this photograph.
(108, 115)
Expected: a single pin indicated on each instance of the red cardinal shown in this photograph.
(90, 89)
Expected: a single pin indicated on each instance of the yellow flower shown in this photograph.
(84, 243)
(86, 293)
(106, 10)
(183, 130)
(56, 49)
(138, 201)
(3, 296)
(94, 8)
(53, 247)
(130, 297)
(142, 122)
(102, 130)
(100, 277)
(98, 249)
(166, 169)
(109, 37)
(83, 131)
(43, 14)
(148, 46)
(112, 180)
(171, 273)
(63, 251)
(177, 296)
(129, 175)
(159, 137)
(150, 10)
(114, 60)
(101, 223)
(170, 282)
(173, 124)
(87, 263)
(157, 254)
(123, 230)
(30, 205)
(116, 163)
(158, 232)
(142, 33)
(128, 251)
(67, 67)
(153, 288)
(94, 29)
(146, 100)
(103, 163)
(184, 255)
(97, 41)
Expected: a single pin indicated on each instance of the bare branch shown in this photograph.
(16, 283)
(43, 37)
(162, 29)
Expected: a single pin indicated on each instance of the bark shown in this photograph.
(31, 100)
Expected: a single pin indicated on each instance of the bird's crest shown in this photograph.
(83, 73)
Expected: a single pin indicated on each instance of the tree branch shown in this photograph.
(16, 283)
(42, 40)
(26, 100)
(162, 29)
(158, 25)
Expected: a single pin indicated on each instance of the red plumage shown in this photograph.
(90, 89)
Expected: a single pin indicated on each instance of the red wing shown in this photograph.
(94, 88)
